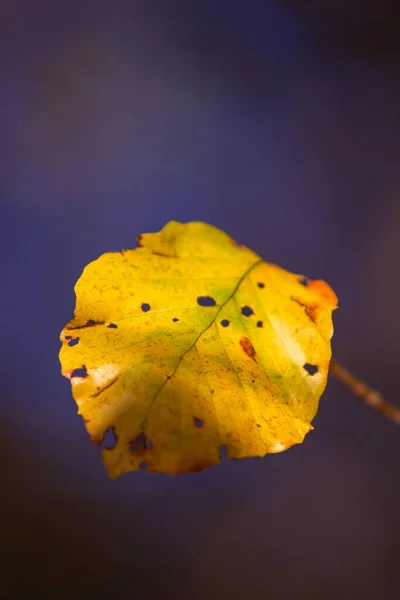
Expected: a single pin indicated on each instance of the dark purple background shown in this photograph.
(278, 122)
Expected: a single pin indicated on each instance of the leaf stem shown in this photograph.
(371, 397)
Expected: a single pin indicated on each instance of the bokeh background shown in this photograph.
(278, 122)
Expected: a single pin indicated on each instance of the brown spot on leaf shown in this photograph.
(103, 389)
(311, 310)
(164, 254)
(198, 465)
(248, 348)
(89, 323)
(97, 438)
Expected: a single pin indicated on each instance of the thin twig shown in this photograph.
(371, 397)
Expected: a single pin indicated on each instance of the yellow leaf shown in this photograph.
(192, 346)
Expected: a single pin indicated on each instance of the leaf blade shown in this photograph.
(191, 328)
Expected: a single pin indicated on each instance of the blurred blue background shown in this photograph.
(278, 122)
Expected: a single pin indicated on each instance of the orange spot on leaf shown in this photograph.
(324, 290)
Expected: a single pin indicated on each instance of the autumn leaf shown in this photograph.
(191, 347)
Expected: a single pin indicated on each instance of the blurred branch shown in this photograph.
(371, 397)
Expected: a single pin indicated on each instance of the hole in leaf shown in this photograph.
(138, 444)
(81, 372)
(206, 301)
(143, 465)
(73, 342)
(198, 422)
(68, 337)
(223, 452)
(261, 284)
(304, 281)
(225, 323)
(175, 319)
(148, 444)
(145, 307)
(311, 369)
(112, 326)
(90, 323)
(259, 323)
(110, 439)
(247, 311)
